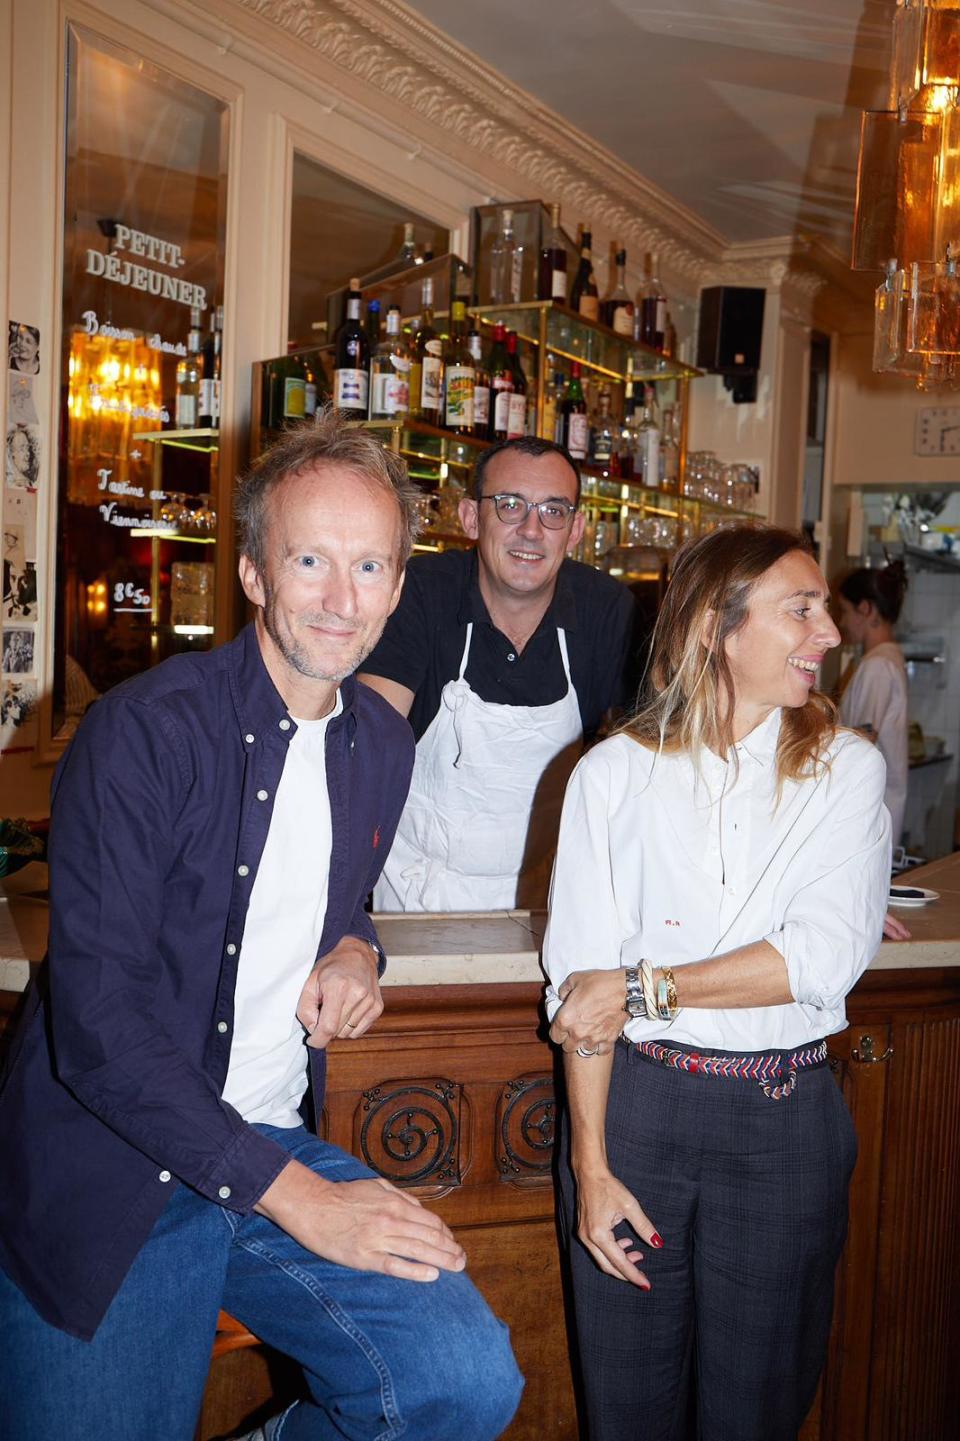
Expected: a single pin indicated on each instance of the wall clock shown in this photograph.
(938, 430)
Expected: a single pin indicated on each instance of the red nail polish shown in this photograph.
(657, 1241)
(645, 1286)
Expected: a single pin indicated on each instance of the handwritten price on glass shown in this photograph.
(128, 592)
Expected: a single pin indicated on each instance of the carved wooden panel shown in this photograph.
(526, 1131)
(913, 1388)
(410, 1131)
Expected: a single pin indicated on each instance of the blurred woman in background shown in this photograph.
(873, 692)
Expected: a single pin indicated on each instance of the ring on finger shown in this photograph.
(585, 1051)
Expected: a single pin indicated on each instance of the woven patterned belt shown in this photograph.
(767, 1070)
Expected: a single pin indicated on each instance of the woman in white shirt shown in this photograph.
(874, 698)
(719, 886)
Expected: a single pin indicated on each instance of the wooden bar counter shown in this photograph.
(452, 1094)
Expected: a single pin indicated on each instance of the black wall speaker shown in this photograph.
(731, 325)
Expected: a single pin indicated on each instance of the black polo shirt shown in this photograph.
(423, 642)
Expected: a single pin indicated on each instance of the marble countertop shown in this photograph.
(492, 946)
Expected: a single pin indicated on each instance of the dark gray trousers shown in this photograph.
(750, 1197)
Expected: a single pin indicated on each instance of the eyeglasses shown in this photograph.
(513, 510)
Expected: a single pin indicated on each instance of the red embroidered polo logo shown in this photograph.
(376, 838)
(671, 923)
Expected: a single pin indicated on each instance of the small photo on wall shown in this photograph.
(21, 407)
(19, 600)
(18, 706)
(17, 651)
(22, 459)
(20, 509)
(23, 348)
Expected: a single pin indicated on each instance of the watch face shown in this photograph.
(938, 430)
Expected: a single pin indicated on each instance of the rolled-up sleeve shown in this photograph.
(585, 930)
(833, 922)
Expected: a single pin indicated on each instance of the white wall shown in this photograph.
(876, 418)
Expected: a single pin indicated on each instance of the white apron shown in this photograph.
(479, 828)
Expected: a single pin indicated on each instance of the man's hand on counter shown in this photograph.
(342, 994)
(592, 1013)
(894, 929)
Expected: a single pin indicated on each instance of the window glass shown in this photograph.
(144, 244)
(339, 229)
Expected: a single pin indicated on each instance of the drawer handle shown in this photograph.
(865, 1054)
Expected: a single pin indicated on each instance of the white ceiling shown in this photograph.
(746, 111)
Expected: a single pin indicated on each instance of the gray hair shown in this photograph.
(331, 441)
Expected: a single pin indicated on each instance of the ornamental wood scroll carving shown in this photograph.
(410, 61)
(414, 1132)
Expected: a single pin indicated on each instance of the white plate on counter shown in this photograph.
(911, 896)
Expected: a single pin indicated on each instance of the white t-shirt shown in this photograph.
(267, 1075)
(658, 863)
(877, 696)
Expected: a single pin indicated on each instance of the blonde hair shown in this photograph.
(329, 440)
(690, 697)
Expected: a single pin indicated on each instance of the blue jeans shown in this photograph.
(383, 1358)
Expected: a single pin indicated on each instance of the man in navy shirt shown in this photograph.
(217, 825)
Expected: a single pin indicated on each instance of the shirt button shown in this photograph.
(249, 739)
(231, 949)
(243, 870)
(222, 1027)
(224, 1193)
(511, 655)
(284, 724)
(164, 1176)
(262, 795)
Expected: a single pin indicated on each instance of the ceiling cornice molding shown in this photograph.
(510, 138)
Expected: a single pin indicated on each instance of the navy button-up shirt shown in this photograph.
(113, 1091)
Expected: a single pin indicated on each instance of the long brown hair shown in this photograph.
(689, 701)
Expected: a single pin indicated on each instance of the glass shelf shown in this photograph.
(203, 440)
(718, 507)
(598, 348)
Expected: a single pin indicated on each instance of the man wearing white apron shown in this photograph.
(504, 659)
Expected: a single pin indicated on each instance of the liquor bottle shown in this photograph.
(670, 445)
(351, 377)
(670, 339)
(618, 305)
(552, 278)
(426, 370)
(517, 404)
(310, 389)
(602, 433)
(405, 257)
(501, 384)
(407, 253)
(460, 374)
(288, 392)
(506, 264)
(372, 324)
(653, 319)
(481, 387)
(188, 378)
(209, 402)
(646, 464)
(551, 407)
(625, 441)
(584, 297)
(390, 373)
(573, 411)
